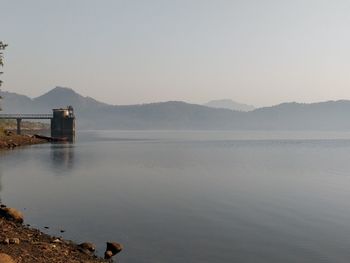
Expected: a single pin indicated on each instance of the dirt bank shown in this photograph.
(11, 141)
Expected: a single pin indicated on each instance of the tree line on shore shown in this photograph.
(2, 47)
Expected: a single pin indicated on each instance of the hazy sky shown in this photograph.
(259, 52)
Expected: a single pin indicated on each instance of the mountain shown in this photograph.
(329, 115)
(177, 115)
(61, 96)
(229, 104)
(15, 103)
(55, 98)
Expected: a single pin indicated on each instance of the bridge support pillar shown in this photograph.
(19, 126)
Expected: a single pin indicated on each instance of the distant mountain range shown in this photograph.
(176, 115)
(229, 104)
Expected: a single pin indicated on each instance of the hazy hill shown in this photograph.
(329, 115)
(15, 103)
(92, 114)
(60, 96)
(55, 98)
(229, 104)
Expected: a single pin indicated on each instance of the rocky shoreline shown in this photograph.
(20, 243)
(24, 244)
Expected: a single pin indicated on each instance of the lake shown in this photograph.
(172, 196)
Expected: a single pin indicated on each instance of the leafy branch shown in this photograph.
(2, 47)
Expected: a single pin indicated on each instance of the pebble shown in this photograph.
(112, 249)
(108, 254)
(11, 214)
(14, 241)
(87, 246)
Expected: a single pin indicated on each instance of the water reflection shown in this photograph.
(70, 138)
(62, 157)
(215, 199)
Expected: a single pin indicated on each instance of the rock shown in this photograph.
(56, 241)
(4, 258)
(108, 254)
(11, 214)
(87, 246)
(45, 247)
(112, 249)
(6, 241)
(14, 241)
(8, 133)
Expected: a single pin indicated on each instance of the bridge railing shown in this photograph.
(26, 116)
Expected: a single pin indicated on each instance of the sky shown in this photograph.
(259, 52)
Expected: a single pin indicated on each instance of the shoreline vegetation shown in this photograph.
(20, 243)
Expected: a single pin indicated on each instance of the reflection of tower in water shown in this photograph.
(62, 157)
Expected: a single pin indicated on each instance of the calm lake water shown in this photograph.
(190, 196)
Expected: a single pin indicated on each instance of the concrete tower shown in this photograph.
(63, 123)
